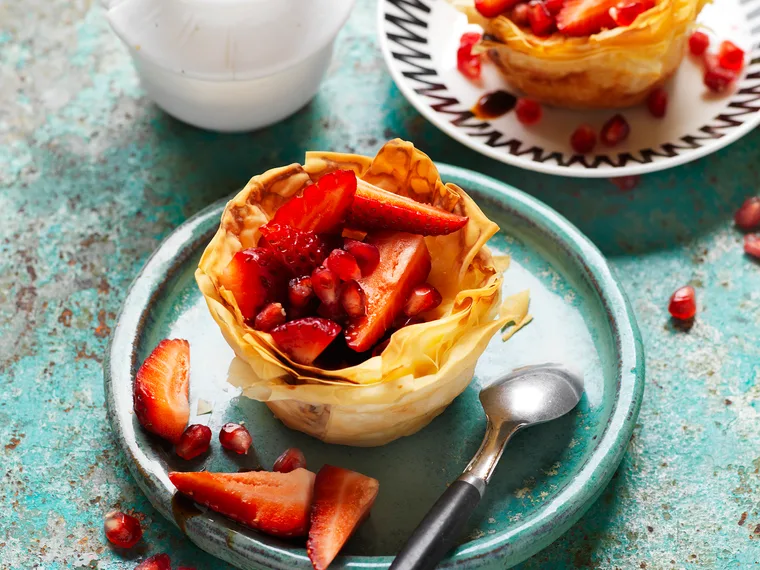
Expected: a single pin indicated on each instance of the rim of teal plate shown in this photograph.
(509, 547)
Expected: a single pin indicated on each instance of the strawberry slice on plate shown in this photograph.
(585, 17)
(342, 500)
(275, 503)
(404, 264)
(255, 277)
(303, 340)
(161, 390)
(300, 251)
(376, 209)
(323, 206)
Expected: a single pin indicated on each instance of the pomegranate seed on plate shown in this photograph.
(422, 298)
(626, 183)
(468, 63)
(747, 217)
(272, 315)
(366, 254)
(615, 130)
(325, 285)
(683, 303)
(353, 300)
(235, 438)
(583, 139)
(626, 11)
(752, 245)
(121, 529)
(343, 264)
(528, 111)
(157, 562)
(657, 103)
(716, 78)
(698, 43)
(300, 292)
(290, 460)
(730, 56)
(194, 441)
(541, 21)
(520, 14)
(469, 38)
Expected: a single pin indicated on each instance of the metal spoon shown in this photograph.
(523, 398)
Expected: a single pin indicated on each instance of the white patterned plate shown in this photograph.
(419, 39)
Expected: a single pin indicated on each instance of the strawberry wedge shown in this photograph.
(585, 17)
(376, 209)
(342, 500)
(255, 277)
(160, 394)
(404, 264)
(303, 340)
(275, 503)
(323, 206)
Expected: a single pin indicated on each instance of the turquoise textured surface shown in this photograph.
(93, 176)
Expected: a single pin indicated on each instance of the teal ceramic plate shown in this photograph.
(548, 476)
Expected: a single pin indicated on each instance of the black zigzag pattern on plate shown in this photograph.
(407, 36)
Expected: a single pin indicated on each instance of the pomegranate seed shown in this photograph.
(272, 315)
(235, 438)
(332, 311)
(379, 348)
(290, 460)
(626, 183)
(325, 285)
(657, 103)
(469, 38)
(541, 21)
(157, 562)
(367, 255)
(520, 14)
(716, 78)
(528, 111)
(615, 131)
(422, 298)
(731, 56)
(554, 6)
(343, 264)
(747, 217)
(583, 139)
(683, 303)
(300, 292)
(121, 529)
(626, 12)
(752, 245)
(698, 43)
(194, 441)
(353, 300)
(468, 63)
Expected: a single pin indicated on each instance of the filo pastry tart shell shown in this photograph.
(614, 68)
(424, 367)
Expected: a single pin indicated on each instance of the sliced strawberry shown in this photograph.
(376, 209)
(323, 206)
(492, 8)
(161, 390)
(343, 264)
(255, 277)
(404, 264)
(366, 255)
(342, 500)
(585, 17)
(303, 340)
(625, 12)
(300, 251)
(275, 503)
(541, 21)
(270, 316)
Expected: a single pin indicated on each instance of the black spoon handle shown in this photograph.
(439, 530)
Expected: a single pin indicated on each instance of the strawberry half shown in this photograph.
(404, 264)
(161, 390)
(255, 277)
(275, 503)
(342, 500)
(585, 17)
(303, 340)
(376, 209)
(300, 251)
(323, 206)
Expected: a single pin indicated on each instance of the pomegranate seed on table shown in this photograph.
(270, 316)
(520, 14)
(353, 300)
(492, 8)
(528, 111)
(235, 438)
(157, 562)
(121, 529)
(343, 264)
(626, 12)
(300, 292)
(747, 217)
(541, 21)
(683, 303)
(626, 183)
(290, 460)
(615, 131)
(698, 43)
(583, 139)
(468, 63)
(657, 103)
(366, 254)
(752, 245)
(730, 56)
(194, 442)
(423, 298)
(325, 285)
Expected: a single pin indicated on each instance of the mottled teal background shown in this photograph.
(92, 176)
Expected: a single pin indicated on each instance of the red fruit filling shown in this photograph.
(157, 562)
(194, 442)
(615, 131)
(583, 139)
(122, 530)
(271, 315)
(353, 300)
(528, 111)
(752, 245)
(683, 303)
(290, 460)
(698, 43)
(492, 8)
(325, 283)
(343, 264)
(521, 15)
(657, 103)
(625, 13)
(554, 6)
(303, 340)
(422, 298)
(541, 21)
(235, 437)
(730, 56)
(300, 251)
(585, 17)
(366, 255)
(255, 277)
(300, 292)
(747, 217)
